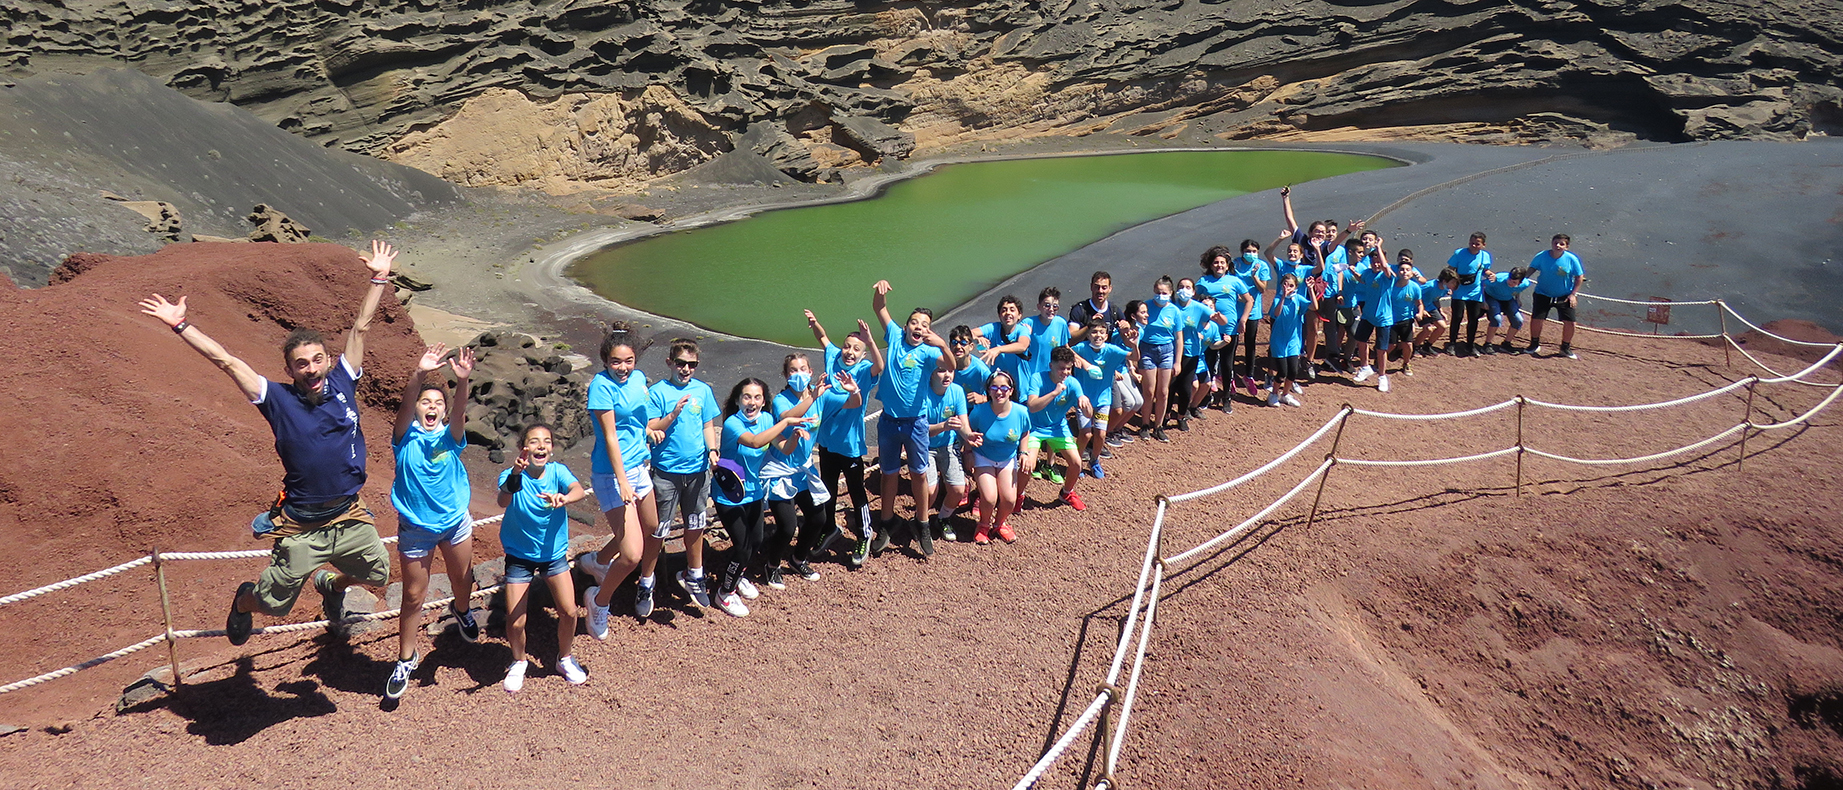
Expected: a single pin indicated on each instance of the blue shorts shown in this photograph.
(894, 434)
(1495, 309)
(608, 489)
(1161, 356)
(523, 571)
(415, 542)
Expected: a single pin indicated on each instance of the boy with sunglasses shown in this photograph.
(685, 443)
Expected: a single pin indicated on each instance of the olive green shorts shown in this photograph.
(351, 546)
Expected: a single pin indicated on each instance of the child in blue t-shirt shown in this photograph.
(947, 407)
(1558, 274)
(1503, 297)
(1058, 394)
(1471, 263)
(1432, 319)
(840, 436)
(431, 493)
(1106, 361)
(1286, 340)
(536, 537)
(994, 431)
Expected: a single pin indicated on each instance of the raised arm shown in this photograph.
(1273, 250)
(819, 332)
(382, 255)
(1286, 204)
(945, 361)
(870, 342)
(879, 302)
(758, 440)
(252, 385)
(463, 367)
(406, 409)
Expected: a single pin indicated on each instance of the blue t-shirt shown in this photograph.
(1555, 276)
(1378, 301)
(1196, 315)
(1430, 296)
(1252, 274)
(683, 451)
(629, 403)
(841, 430)
(1109, 359)
(321, 447)
(750, 458)
(1209, 334)
(951, 403)
(1045, 336)
(1227, 291)
(1053, 419)
(532, 531)
(1469, 264)
(905, 373)
(1405, 297)
(1002, 434)
(1163, 327)
(973, 377)
(996, 335)
(431, 489)
(1499, 287)
(803, 454)
(1286, 338)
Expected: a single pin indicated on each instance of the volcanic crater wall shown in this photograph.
(616, 93)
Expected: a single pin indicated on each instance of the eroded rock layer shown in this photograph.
(618, 92)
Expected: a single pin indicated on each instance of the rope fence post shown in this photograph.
(1520, 449)
(1112, 693)
(1740, 464)
(166, 615)
(1332, 457)
(1727, 343)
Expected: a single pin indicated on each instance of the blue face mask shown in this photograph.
(1250, 257)
(1184, 295)
(1161, 299)
(798, 381)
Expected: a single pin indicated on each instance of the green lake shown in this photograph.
(940, 239)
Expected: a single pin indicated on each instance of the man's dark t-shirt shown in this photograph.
(321, 447)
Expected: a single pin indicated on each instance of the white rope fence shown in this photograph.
(1155, 567)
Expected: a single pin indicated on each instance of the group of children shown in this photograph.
(974, 417)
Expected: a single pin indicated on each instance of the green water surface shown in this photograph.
(939, 239)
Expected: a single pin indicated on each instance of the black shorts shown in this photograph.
(1365, 329)
(1403, 331)
(1290, 369)
(1432, 318)
(1563, 310)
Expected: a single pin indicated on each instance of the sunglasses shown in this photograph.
(962, 342)
(685, 363)
(999, 388)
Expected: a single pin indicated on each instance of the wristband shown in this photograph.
(514, 482)
(380, 281)
(180, 328)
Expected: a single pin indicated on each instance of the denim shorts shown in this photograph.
(415, 542)
(523, 571)
(686, 494)
(1495, 309)
(894, 434)
(1161, 356)
(608, 490)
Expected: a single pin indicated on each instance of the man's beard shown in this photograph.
(314, 397)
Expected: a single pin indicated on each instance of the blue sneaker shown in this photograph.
(1096, 472)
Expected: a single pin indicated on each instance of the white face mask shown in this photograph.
(799, 380)
(1185, 294)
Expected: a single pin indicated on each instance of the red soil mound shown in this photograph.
(121, 439)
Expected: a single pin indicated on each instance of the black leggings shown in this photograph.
(831, 465)
(1222, 361)
(1469, 313)
(744, 523)
(1249, 329)
(810, 517)
(1184, 385)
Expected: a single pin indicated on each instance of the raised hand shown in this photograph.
(682, 400)
(463, 363)
(882, 287)
(164, 310)
(381, 257)
(1286, 192)
(864, 328)
(845, 382)
(812, 321)
(432, 358)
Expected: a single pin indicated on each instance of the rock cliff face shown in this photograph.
(618, 92)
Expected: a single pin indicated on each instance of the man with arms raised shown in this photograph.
(319, 518)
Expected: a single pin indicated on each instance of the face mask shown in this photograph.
(799, 380)
(1161, 299)
(1250, 257)
(1185, 294)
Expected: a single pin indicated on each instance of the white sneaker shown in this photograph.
(732, 605)
(1364, 373)
(1382, 383)
(1290, 400)
(598, 615)
(515, 676)
(572, 671)
(1297, 390)
(747, 588)
(594, 569)
(1273, 398)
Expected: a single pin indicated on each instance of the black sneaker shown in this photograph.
(882, 539)
(1507, 348)
(1228, 406)
(1183, 423)
(1159, 434)
(925, 535)
(1568, 351)
(399, 681)
(805, 571)
(860, 550)
(643, 601)
(332, 602)
(1106, 451)
(1115, 440)
(1489, 350)
(237, 626)
(776, 579)
(947, 531)
(465, 623)
(1196, 414)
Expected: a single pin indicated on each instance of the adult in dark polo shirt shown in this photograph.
(319, 519)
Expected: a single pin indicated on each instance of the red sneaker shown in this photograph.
(983, 535)
(1074, 500)
(1005, 534)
